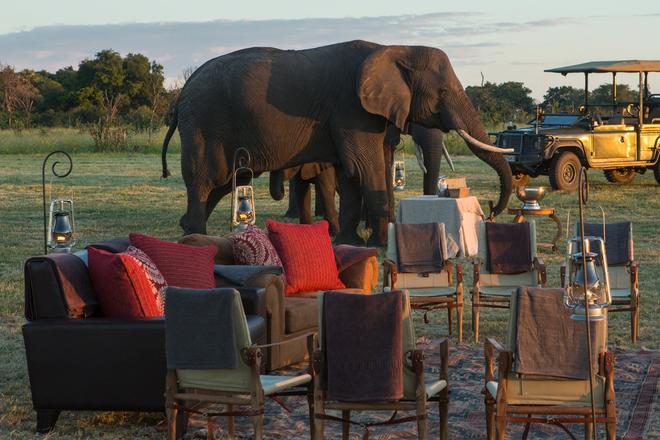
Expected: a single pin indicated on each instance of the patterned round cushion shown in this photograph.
(252, 247)
(154, 276)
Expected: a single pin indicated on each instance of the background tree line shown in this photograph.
(110, 96)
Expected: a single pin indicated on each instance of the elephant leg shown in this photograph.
(376, 199)
(303, 199)
(214, 198)
(292, 211)
(325, 187)
(350, 209)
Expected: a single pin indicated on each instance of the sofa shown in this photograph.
(78, 359)
(290, 316)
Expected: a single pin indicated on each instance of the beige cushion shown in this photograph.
(432, 291)
(619, 277)
(497, 290)
(620, 293)
(545, 391)
(299, 314)
(225, 254)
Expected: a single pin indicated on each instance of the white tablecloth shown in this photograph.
(460, 216)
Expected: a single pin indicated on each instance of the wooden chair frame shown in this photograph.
(481, 300)
(499, 412)
(180, 402)
(419, 405)
(429, 303)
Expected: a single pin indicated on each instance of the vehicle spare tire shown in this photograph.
(564, 171)
(620, 175)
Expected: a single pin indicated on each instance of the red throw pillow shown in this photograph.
(154, 276)
(123, 289)
(182, 265)
(306, 254)
(253, 247)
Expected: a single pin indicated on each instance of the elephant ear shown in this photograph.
(382, 86)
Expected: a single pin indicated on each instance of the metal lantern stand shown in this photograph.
(60, 174)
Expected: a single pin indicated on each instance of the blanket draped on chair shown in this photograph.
(420, 247)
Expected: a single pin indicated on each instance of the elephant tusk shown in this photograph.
(445, 153)
(482, 145)
(419, 154)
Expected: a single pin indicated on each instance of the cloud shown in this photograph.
(178, 45)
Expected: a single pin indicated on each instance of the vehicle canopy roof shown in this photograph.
(610, 66)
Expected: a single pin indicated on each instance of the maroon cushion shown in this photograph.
(182, 265)
(306, 254)
(122, 287)
(253, 247)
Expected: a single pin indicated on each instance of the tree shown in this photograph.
(603, 94)
(26, 94)
(8, 85)
(508, 101)
(563, 99)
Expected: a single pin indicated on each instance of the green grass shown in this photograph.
(72, 140)
(119, 193)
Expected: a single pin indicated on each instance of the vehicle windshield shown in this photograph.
(551, 120)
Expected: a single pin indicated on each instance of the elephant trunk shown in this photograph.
(479, 143)
(276, 184)
(430, 142)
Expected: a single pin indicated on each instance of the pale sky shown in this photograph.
(505, 40)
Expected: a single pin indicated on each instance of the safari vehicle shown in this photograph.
(620, 138)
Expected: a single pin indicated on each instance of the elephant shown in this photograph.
(322, 175)
(429, 146)
(328, 104)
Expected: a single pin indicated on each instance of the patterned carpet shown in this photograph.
(636, 385)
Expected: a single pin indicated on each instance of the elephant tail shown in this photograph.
(174, 121)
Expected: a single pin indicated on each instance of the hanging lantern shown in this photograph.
(587, 272)
(61, 225)
(399, 175)
(242, 202)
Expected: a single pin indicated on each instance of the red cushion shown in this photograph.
(306, 254)
(182, 265)
(154, 276)
(122, 287)
(253, 247)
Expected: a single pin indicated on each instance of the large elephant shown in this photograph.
(430, 148)
(328, 104)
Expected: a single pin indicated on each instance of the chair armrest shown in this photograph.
(389, 273)
(539, 265)
(491, 346)
(459, 273)
(476, 263)
(634, 273)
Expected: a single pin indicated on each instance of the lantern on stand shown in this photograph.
(243, 212)
(59, 224)
(587, 293)
(399, 175)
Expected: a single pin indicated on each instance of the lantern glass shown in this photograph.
(244, 212)
(596, 281)
(399, 175)
(61, 225)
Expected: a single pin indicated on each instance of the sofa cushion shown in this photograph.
(123, 289)
(154, 276)
(306, 254)
(252, 247)
(300, 314)
(182, 265)
(225, 254)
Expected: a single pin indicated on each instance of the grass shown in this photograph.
(119, 193)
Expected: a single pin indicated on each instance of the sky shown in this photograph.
(502, 40)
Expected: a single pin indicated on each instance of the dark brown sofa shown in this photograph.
(291, 316)
(78, 359)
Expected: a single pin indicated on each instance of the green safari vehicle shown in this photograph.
(620, 138)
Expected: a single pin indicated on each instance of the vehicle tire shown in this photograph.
(656, 172)
(619, 176)
(520, 180)
(564, 171)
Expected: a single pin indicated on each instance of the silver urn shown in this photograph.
(531, 196)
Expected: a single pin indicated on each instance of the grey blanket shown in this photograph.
(618, 240)
(242, 275)
(420, 247)
(199, 328)
(548, 342)
(362, 346)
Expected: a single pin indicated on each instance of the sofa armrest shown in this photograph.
(254, 301)
(362, 275)
(96, 363)
(57, 286)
